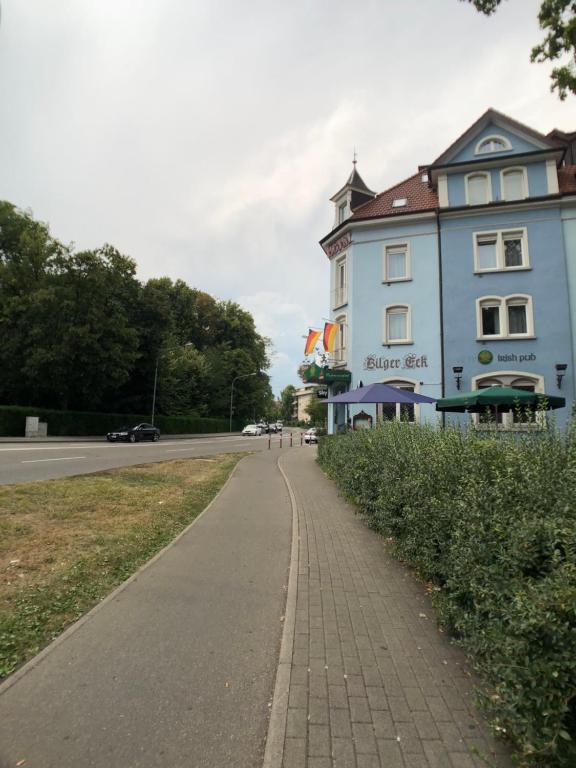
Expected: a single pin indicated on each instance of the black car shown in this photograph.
(134, 434)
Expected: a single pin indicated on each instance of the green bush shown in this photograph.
(72, 423)
(492, 524)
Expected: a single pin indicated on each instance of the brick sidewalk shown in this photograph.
(373, 683)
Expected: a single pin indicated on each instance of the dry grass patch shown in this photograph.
(64, 544)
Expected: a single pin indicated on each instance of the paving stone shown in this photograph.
(337, 696)
(425, 725)
(355, 685)
(343, 753)
(377, 698)
(294, 753)
(297, 723)
(319, 762)
(319, 741)
(359, 710)
(384, 726)
(409, 738)
(364, 739)
(368, 761)
(318, 711)
(298, 697)
(390, 754)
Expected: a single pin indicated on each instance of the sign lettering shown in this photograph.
(338, 245)
(408, 362)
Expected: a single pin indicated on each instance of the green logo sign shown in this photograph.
(485, 356)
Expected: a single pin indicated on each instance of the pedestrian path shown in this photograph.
(367, 680)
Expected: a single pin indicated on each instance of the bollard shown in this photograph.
(290, 439)
(269, 439)
(301, 438)
(280, 440)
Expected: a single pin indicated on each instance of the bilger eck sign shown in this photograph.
(409, 362)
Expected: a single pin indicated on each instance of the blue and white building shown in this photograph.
(462, 276)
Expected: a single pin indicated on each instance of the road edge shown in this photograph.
(274, 752)
(36, 660)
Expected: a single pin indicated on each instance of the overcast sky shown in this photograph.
(204, 138)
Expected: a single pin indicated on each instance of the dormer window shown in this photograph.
(342, 212)
(514, 184)
(478, 189)
(492, 144)
(400, 202)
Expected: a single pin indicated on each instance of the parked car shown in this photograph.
(272, 428)
(279, 425)
(263, 426)
(252, 429)
(134, 434)
(311, 436)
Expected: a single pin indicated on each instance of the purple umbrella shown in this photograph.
(380, 393)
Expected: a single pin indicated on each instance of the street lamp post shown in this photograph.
(234, 380)
(170, 349)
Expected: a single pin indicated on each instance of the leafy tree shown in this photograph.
(558, 19)
(287, 397)
(317, 409)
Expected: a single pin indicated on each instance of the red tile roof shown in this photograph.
(418, 195)
(567, 179)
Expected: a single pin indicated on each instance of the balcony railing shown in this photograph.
(339, 297)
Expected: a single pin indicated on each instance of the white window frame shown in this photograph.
(494, 137)
(510, 379)
(515, 169)
(340, 346)
(391, 247)
(389, 309)
(501, 235)
(340, 294)
(503, 302)
(395, 381)
(487, 177)
(342, 211)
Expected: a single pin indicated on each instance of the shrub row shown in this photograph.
(492, 524)
(72, 423)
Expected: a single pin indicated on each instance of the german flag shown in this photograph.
(311, 341)
(330, 330)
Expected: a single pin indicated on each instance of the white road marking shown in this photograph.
(66, 458)
(86, 447)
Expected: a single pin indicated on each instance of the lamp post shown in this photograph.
(170, 349)
(234, 380)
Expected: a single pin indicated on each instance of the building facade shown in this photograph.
(463, 275)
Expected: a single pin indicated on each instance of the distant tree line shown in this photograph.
(79, 331)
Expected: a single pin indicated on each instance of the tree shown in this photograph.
(317, 409)
(287, 396)
(558, 19)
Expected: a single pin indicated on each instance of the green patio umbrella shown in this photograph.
(500, 398)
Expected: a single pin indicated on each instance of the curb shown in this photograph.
(36, 660)
(274, 753)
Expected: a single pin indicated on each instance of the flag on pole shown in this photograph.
(311, 341)
(330, 330)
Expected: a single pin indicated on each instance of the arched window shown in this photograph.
(341, 339)
(514, 184)
(397, 324)
(492, 144)
(515, 417)
(478, 189)
(504, 317)
(399, 411)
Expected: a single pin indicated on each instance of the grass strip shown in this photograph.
(65, 544)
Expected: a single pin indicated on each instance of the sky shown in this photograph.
(204, 138)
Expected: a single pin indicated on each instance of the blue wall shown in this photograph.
(545, 281)
(519, 146)
(367, 297)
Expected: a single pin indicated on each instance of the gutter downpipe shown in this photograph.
(441, 307)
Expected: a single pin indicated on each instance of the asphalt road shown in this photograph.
(177, 669)
(20, 463)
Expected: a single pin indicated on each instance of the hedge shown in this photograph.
(491, 523)
(75, 423)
